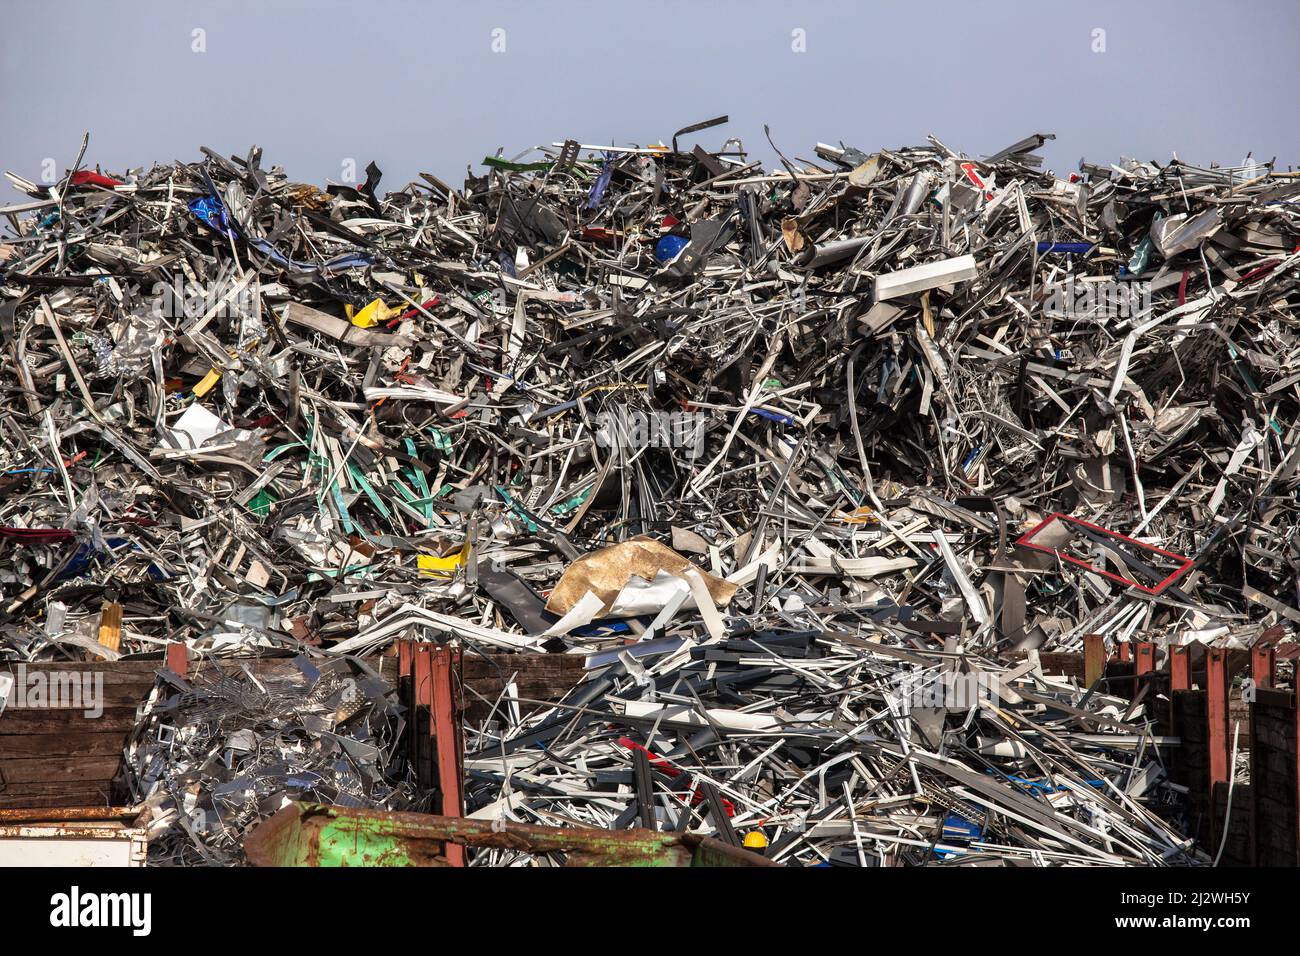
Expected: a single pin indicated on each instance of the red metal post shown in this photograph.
(403, 658)
(1216, 715)
(421, 675)
(433, 671)
(1180, 678)
(1180, 668)
(1216, 709)
(446, 731)
(1295, 762)
(1125, 652)
(1146, 658)
(178, 658)
(1256, 790)
(1261, 665)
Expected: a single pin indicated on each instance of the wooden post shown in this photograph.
(1094, 658)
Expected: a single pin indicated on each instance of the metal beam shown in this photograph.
(1145, 658)
(1262, 658)
(178, 658)
(1216, 716)
(1180, 668)
(432, 673)
(446, 730)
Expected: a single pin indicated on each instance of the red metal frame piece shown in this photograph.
(1026, 541)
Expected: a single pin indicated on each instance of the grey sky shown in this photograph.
(417, 86)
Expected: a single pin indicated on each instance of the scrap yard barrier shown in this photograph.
(1206, 697)
(61, 790)
(61, 754)
(1274, 778)
(79, 836)
(304, 834)
(63, 727)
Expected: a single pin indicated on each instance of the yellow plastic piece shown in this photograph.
(863, 515)
(110, 625)
(373, 314)
(432, 566)
(209, 380)
(755, 840)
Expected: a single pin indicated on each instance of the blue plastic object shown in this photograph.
(772, 416)
(212, 213)
(958, 832)
(958, 827)
(668, 247)
(1080, 248)
(1141, 256)
(597, 194)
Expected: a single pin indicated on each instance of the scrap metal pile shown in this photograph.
(841, 749)
(213, 756)
(795, 458)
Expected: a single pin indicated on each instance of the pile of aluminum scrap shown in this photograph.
(838, 749)
(650, 401)
(213, 757)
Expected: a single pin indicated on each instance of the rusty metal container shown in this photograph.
(309, 834)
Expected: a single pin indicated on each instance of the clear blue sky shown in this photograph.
(418, 86)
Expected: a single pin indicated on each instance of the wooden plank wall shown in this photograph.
(59, 757)
(1273, 780)
(546, 677)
